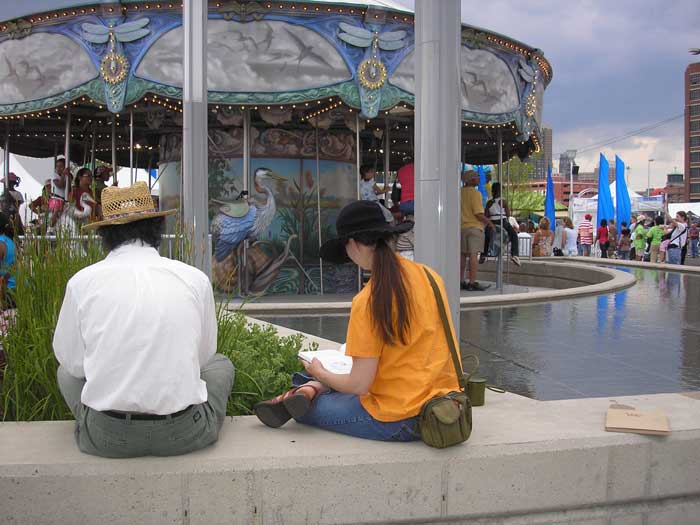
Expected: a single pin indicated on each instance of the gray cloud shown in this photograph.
(617, 66)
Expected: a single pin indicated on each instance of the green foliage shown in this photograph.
(523, 203)
(264, 362)
(29, 391)
(42, 269)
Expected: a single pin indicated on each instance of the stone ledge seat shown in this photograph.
(526, 462)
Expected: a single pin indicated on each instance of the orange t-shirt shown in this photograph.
(411, 374)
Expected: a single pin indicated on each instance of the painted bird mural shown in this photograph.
(240, 220)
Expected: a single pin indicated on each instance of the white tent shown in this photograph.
(675, 207)
(640, 203)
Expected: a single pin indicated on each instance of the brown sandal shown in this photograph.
(278, 410)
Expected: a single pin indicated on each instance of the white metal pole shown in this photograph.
(6, 158)
(499, 262)
(195, 172)
(131, 146)
(66, 149)
(242, 284)
(437, 139)
(357, 180)
(114, 147)
(92, 148)
(571, 189)
(387, 153)
(318, 201)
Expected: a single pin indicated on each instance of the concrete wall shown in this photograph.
(526, 462)
(547, 274)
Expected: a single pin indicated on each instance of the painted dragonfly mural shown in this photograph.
(371, 73)
(114, 66)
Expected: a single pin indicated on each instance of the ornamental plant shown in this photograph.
(29, 390)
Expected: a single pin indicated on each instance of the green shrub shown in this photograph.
(263, 361)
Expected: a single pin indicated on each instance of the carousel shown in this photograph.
(301, 95)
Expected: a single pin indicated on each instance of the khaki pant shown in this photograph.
(198, 426)
(654, 253)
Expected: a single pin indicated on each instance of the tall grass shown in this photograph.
(264, 362)
(42, 269)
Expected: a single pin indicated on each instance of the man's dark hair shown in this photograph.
(148, 231)
(659, 220)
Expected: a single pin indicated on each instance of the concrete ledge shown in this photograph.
(573, 279)
(527, 462)
(631, 264)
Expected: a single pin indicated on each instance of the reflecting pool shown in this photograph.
(642, 340)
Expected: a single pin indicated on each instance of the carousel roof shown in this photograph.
(314, 59)
(25, 8)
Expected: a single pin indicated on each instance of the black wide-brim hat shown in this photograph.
(359, 217)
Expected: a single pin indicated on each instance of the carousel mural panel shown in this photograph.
(301, 94)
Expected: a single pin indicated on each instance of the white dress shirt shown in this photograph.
(138, 327)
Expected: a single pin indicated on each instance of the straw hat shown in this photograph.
(125, 205)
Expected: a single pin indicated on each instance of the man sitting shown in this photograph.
(136, 342)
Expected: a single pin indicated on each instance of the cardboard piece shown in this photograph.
(628, 419)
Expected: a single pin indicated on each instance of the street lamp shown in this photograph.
(628, 168)
(649, 177)
(570, 155)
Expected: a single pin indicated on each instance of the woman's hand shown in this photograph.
(314, 368)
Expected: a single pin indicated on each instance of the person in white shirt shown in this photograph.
(136, 342)
(679, 238)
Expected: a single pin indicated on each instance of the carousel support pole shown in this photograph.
(6, 157)
(55, 151)
(148, 170)
(114, 147)
(499, 262)
(195, 195)
(66, 149)
(437, 139)
(357, 179)
(387, 153)
(242, 284)
(131, 146)
(318, 202)
(92, 149)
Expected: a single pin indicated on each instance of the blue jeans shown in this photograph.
(693, 247)
(407, 207)
(673, 255)
(343, 413)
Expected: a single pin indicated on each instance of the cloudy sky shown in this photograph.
(618, 66)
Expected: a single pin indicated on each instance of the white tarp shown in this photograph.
(640, 203)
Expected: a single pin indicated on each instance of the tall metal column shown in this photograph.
(499, 262)
(131, 146)
(195, 168)
(242, 274)
(358, 160)
(387, 152)
(114, 146)
(6, 157)
(318, 202)
(93, 140)
(66, 148)
(437, 139)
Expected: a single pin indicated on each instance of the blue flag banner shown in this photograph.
(623, 203)
(482, 183)
(154, 173)
(549, 200)
(606, 209)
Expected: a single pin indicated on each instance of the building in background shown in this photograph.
(542, 162)
(692, 132)
(674, 189)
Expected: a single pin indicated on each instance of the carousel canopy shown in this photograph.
(322, 59)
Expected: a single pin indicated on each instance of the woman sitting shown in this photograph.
(401, 357)
(542, 242)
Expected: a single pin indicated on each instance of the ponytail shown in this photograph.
(390, 305)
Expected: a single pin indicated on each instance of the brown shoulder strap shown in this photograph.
(448, 332)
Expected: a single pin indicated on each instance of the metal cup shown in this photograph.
(476, 389)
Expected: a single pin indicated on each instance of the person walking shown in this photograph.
(136, 342)
(678, 239)
(602, 236)
(625, 245)
(543, 240)
(473, 221)
(400, 353)
(497, 209)
(639, 240)
(585, 232)
(612, 238)
(569, 237)
(693, 239)
(655, 236)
